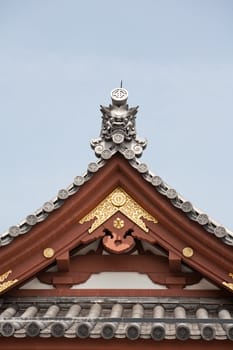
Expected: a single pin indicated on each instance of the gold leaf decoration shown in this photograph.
(116, 201)
(118, 223)
(4, 276)
(6, 284)
(228, 285)
(187, 252)
(48, 253)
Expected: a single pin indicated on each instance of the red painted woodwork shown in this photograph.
(62, 231)
(156, 267)
(114, 344)
(120, 293)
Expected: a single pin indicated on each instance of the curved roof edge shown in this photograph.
(118, 135)
(193, 213)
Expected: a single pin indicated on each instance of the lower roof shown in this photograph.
(132, 318)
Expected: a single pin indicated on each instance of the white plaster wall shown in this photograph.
(36, 284)
(203, 285)
(119, 280)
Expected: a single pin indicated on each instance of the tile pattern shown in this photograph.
(132, 318)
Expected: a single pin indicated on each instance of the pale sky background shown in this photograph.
(59, 60)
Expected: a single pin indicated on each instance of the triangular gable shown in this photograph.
(164, 218)
(69, 227)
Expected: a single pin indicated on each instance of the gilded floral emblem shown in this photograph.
(120, 201)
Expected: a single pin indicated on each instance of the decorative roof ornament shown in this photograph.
(118, 130)
(118, 134)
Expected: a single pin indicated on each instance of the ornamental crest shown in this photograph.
(118, 201)
(118, 130)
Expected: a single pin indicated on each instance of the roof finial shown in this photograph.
(121, 83)
(118, 130)
(119, 96)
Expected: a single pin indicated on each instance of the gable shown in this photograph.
(118, 254)
(66, 229)
(119, 201)
(145, 265)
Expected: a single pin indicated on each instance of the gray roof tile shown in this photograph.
(146, 318)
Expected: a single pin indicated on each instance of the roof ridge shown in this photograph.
(118, 135)
(156, 181)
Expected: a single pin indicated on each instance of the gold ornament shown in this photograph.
(6, 284)
(228, 285)
(116, 201)
(48, 253)
(118, 223)
(4, 276)
(187, 252)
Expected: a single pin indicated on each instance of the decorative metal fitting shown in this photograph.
(116, 201)
(187, 252)
(118, 223)
(48, 253)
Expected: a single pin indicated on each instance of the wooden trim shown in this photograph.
(154, 266)
(62, 232)
(114, 344)
(120, 293)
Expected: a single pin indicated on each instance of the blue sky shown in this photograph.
(59, 60)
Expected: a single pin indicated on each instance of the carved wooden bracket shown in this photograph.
(63, 262)
(155, 266)
(174, 262)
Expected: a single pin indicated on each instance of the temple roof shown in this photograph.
(118, 135)
(157, 318)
